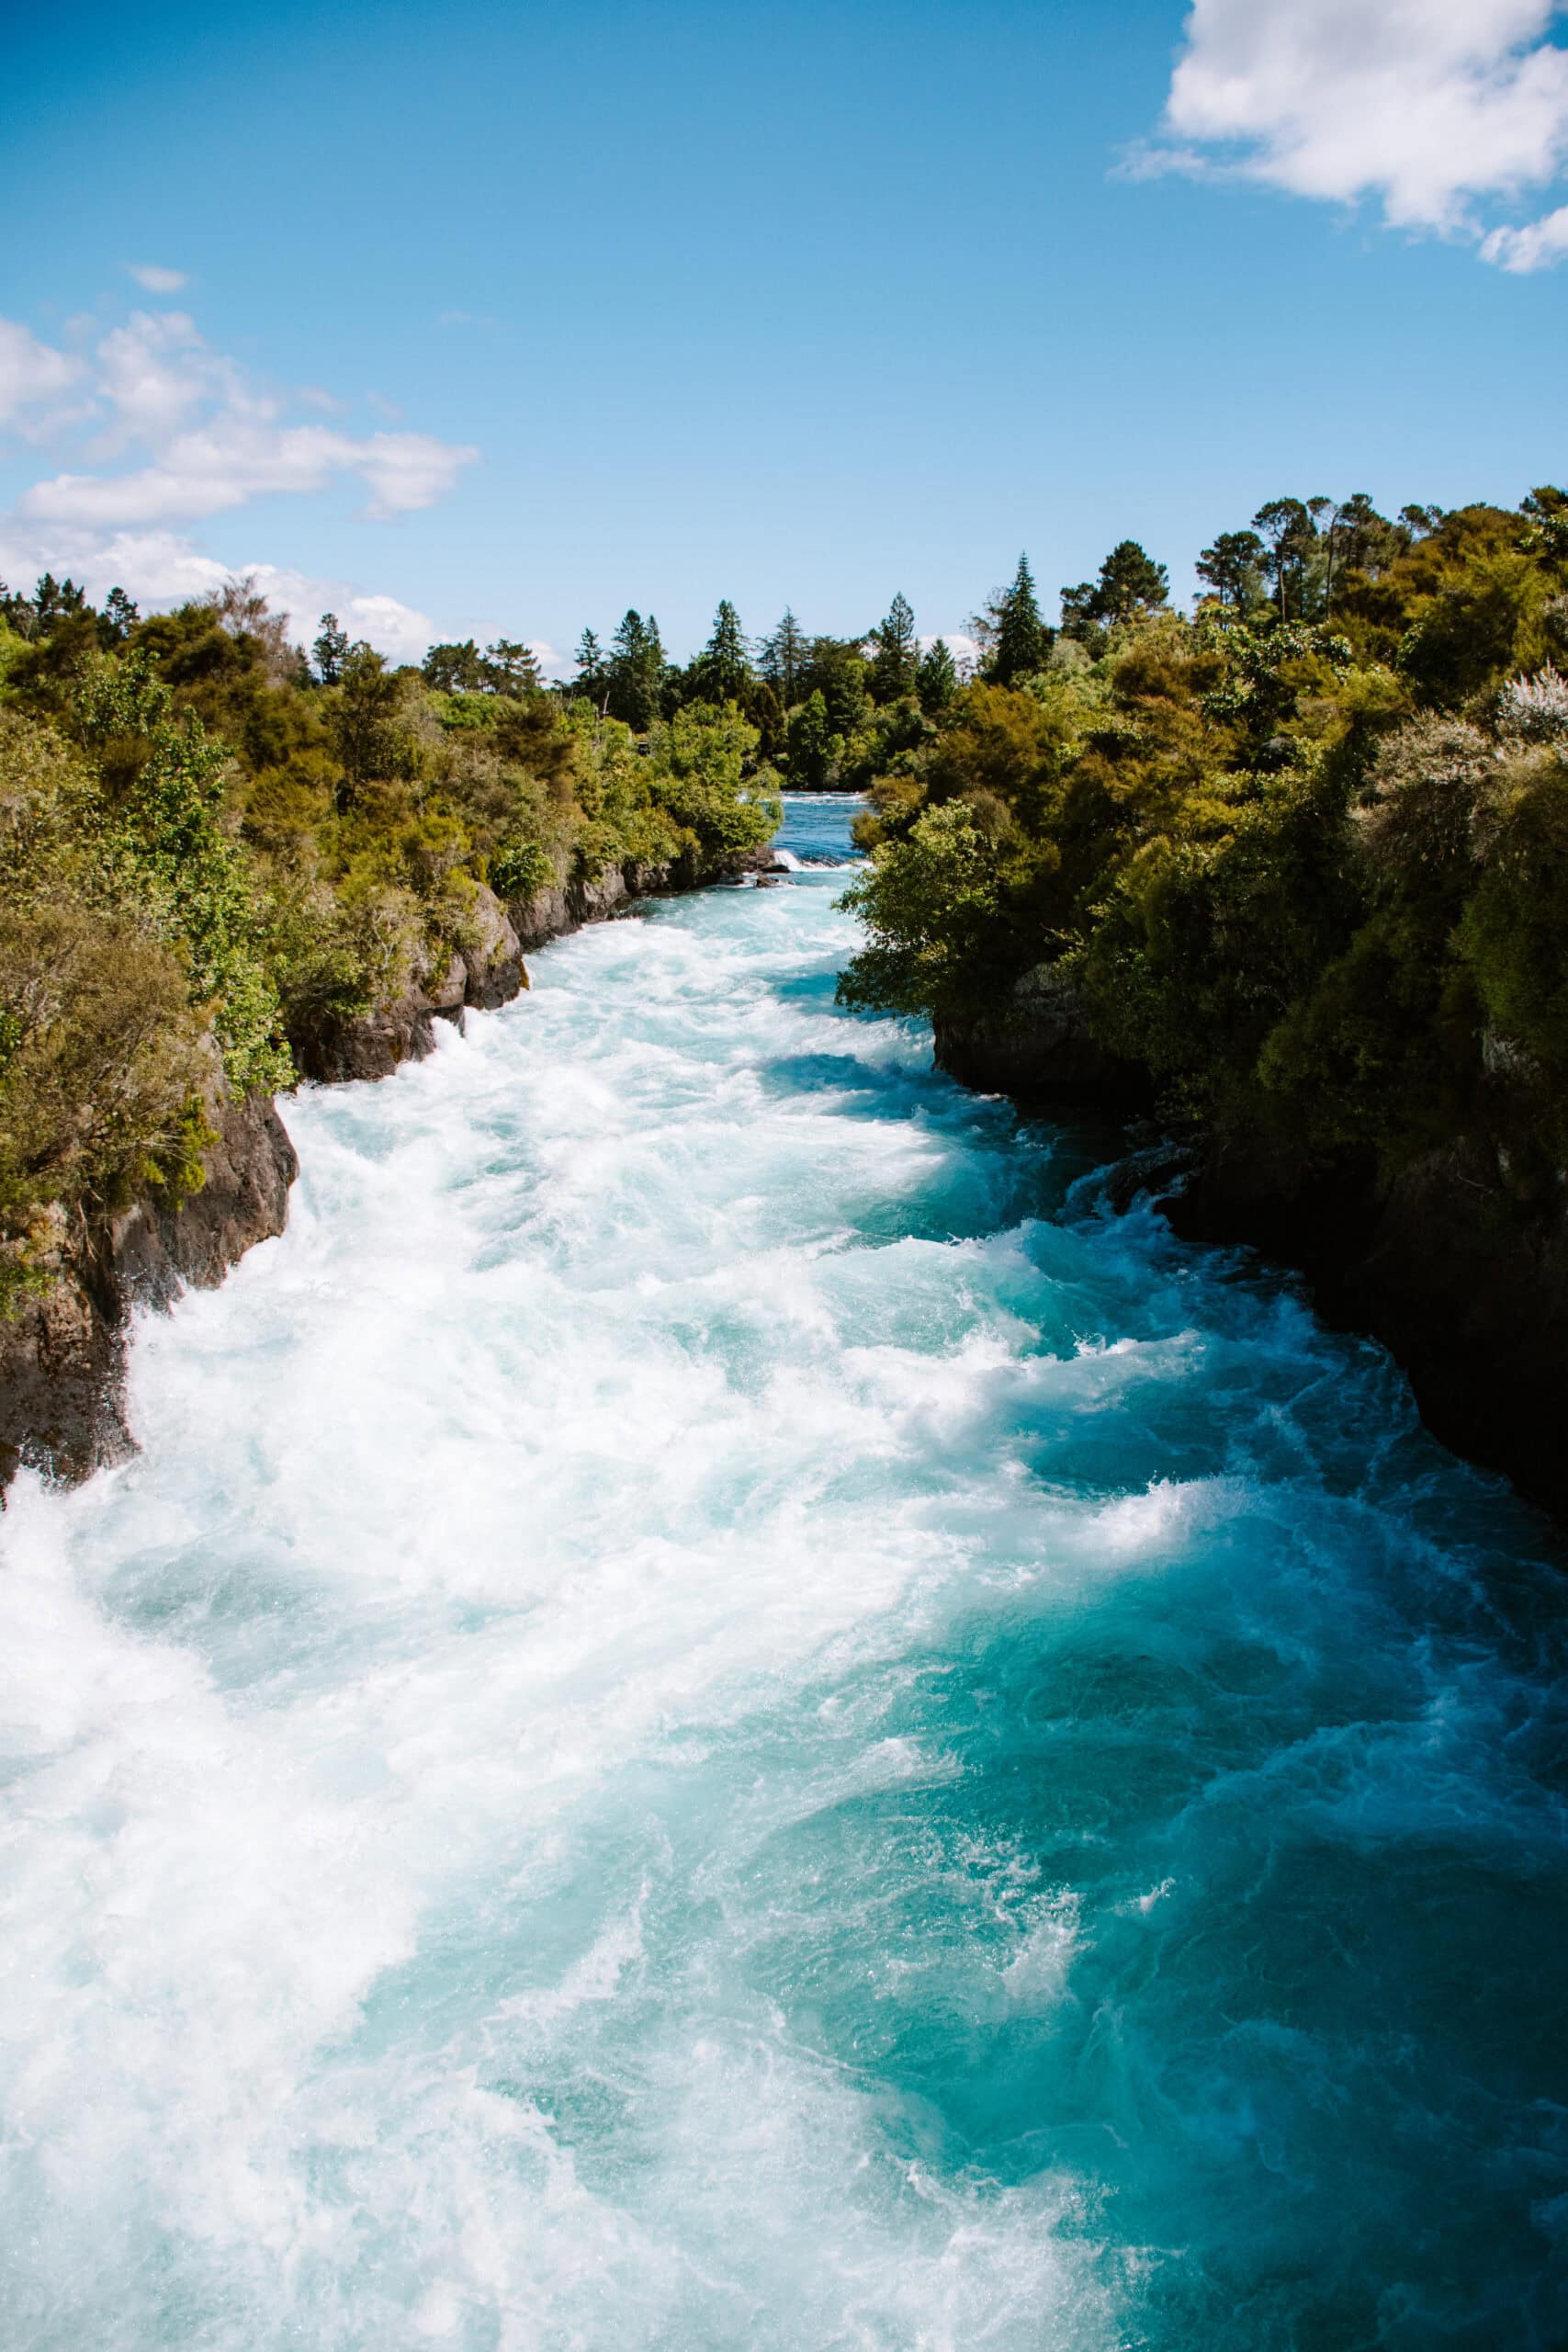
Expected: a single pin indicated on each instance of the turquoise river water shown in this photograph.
(721, 1713)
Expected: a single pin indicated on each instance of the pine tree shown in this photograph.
(936, 681)
(511, 669)
(1130, 583)
(896, 655)
(637, 668)
(329, 649)
(1022, 639)
(592, 678)
(723, 668)
(783, 657)
(118, 618)
(1231, 568)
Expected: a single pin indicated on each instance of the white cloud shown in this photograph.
(1536, 246)
(155, 371)
(164, 433)
(152, 279)
(1432, 108)
(216, 437)
(30, 371)
(162, 568)
(237, 458)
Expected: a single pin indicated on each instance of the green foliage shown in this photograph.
(929, 903)
(701, 778)
(521, 869)
(1311, 873)
(210, 851)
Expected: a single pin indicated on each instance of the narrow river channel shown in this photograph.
(722, 1716)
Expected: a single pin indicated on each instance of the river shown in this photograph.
(721, 1712)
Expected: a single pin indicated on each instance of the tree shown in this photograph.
(593, 672)
(367, 730)
(118, 618)
(637, 668)
(241, 611)
(836, 670)
(896, 656)
(1130, 583)
(1231, 568)
(936, 680)
(1022, 639)
(55, 600)
(812, 744)
(722, 670)
(454, 669)
(511, 669)
(330, 650)
(782, 658)
(1290, 535)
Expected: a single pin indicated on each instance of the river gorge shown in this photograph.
(728, 1707)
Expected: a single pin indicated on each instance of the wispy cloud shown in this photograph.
(1442, 111)
(162, 432)
(154, 279)
(212, 438)
(32, 374)
(159, 567)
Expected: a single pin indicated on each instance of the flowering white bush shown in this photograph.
(1535, 710)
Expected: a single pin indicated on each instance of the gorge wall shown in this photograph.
(1455, 1266)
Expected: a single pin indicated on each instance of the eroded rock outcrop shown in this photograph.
(1035, 1045)
(63, 1354)
(1457, 1262)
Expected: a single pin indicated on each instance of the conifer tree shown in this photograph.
(511, 669)
(330, 649)
(896, 652)
(723, 668)
(592, 679)
(118, 618)
(1130, 581)
(1231, 568)
(936, 681)
(1022, 639)
(637, 668)
(783, 657)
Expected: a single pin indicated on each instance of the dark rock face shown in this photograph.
(61, 1371)
(63, 1356)
(1037, 1047)
(371, 1045)
(1462, 1280)
(1465, 1285)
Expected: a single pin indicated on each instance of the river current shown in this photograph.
(721, 1712)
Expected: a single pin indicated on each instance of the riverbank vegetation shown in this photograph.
(1300, 858)
(213, 846)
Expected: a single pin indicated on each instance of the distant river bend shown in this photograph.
(721, 1713)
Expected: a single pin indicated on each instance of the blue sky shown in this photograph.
(500, 319)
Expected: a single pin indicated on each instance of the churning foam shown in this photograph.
(598, 1782)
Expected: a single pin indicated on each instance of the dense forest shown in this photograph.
(1296, 865)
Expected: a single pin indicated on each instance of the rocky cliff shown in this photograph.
(1454, 1262)
(63, 1355)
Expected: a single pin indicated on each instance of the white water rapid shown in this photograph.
(718, 1714)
